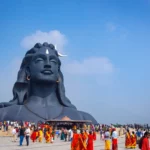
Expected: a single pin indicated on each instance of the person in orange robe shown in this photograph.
(37, 134)
(145, 141)
(128, 143)
(86, 134)
(82, 141)
(33, 136)
(47, 136)
(90, 141)
(75, 141)
(133, 140)
(94, 135)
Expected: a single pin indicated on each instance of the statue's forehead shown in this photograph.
(46, 51)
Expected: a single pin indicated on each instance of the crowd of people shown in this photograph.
(80, 138)
(83, 140)
(140, 138)
(133, 139)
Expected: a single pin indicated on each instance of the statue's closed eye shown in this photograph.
(53, 61)
(38, 59)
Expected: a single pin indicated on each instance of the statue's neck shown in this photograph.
(42, 89)
(43, 94)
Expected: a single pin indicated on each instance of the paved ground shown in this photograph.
(7, 144)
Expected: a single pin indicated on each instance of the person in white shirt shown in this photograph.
(114, 139)
(27, 134)
(70, 135)
(14, 134)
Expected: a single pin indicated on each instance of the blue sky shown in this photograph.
(108, 48)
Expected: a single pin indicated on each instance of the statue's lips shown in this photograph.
(47, 72)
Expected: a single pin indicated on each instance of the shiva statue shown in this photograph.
(39, 92)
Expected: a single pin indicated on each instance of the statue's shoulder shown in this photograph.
(17, 112)
(7, 113)
(87, 116)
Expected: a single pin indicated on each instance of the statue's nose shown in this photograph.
(47, 64)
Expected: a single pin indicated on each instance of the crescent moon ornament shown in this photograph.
(59, 54)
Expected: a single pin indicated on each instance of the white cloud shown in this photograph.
(55, 37)
(93, 65)
(90, 66)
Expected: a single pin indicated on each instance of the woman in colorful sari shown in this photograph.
(40, 134)
(33, 136)
(82, 141)
(107, 140)
(133, 140)
(62, 136)
(128, 143)
(75, 141)
(90, 141)
(48, 136)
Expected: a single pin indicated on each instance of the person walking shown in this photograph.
(133, 140)
(14, 134)
(21, 134)
(114, 140)
(128, 143)
(90, 141)
(107, 140)
(66, 133)
(27, 133)
(145, 142)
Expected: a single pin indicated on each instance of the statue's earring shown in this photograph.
(28, 78)
(58, 81)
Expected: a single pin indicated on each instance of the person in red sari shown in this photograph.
(145, 142)
(33, 136)
(75, 141)
(128, 143)
(133, 140)
(94, 135)
(90, 141)
(114, 139)
(82, 141)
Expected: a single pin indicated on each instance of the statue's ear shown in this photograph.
(27, 71)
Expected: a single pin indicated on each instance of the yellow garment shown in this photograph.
(107, 145)
(86, 135)
(40, 135)
(47, 137)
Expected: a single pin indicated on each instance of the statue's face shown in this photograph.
(44, 66)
